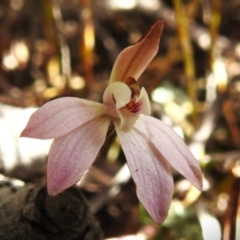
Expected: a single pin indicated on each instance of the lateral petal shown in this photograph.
(172, 148)
(153, 178)
(60, 116)
(71, 155)
(133, 60)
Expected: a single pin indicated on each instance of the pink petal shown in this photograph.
(60, 116)
(172, 148)
(71, 155)
(150, 172)
(133, 60)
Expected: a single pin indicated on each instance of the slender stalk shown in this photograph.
(183, 31)
(214, 28)
(88, 41)
(64, 48)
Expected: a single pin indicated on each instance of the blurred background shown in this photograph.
(56, 48)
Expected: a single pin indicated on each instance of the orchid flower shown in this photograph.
(79, 129)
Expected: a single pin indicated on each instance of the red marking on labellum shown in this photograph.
(134, 107)
(113, 98)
